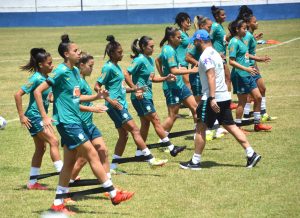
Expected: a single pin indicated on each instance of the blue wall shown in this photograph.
(149, 16)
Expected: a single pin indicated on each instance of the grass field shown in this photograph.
(223, 188)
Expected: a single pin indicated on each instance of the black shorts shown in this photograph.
(206, 114)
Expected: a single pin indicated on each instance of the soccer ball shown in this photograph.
(2, 123)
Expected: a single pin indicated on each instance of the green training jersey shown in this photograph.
(33, 82)
(218, 36)
(195, 77)
(169, 59)
(141, 68)
(182, 48)
(65, 84)
(251, 43)
(85, 89)
(113, 79)
(239, 51)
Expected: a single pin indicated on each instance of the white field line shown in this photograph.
(160, 101)
(274, 46)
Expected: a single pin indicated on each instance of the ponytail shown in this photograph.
(170, 31)
(37, 55)
(138, 45)
(181, 17)
(112, 46)
(235, 25)
(216, 11)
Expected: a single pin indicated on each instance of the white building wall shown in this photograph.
(90, 5)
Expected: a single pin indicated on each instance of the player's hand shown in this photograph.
(266, 59)
(100, 108)
(252, 70)
(102, 93)
(139, 94)
(214, 106)
(195, 69)
(47, 124)
(25, 121)
(170, 78)
(258, 36)
(116, 104)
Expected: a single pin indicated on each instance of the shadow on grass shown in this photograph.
(144, 174)
(78, 211)
(24, 187)
(210, 164)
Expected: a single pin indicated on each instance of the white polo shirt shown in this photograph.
(209, 59)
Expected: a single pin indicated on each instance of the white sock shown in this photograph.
(249, 151)
(58, 165)
(238, 121)
(114, 165)
(60, 190)
(34, 171)
(146, 152)
(167, 133)
(196, 158)
(263, 105)
(247, 108)
(166, 139)
(216, 122)
(72, 181)
(138, 153)
(256, 117)
(107, 184)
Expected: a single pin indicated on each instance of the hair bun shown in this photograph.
(35, 51)
(65, 38)
(213, 8)
(110, 38)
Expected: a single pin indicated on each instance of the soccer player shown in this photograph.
(215, 103)
(250, 40)
(175, 91)
(183, 21)
(139, 74)
(220, 41)
(40, 64)
(75, 137)
(85, 66)
(242, 74)
(113, 79)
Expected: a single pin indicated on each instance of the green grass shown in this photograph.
(224, 188)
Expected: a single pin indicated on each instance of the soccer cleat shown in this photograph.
(233, 106)
(262, 127)
(252, 161)
(121, 196)
(266, 117)
(117, 171)
(176, 150)
(209, 135)
(155, 162)
(62, 209)
(36, 186)
(190, 165)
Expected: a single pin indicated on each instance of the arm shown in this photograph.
(23, 119)
(156, 79)
(158, 64)
(211, 78)
(190, 59)
(183, 70)
(47, 121)
(235, 64)
(265, 58)
(101, 94)
(94, 109)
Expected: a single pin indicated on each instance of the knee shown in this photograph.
(135, 131)
(101, 149)
(54, 142)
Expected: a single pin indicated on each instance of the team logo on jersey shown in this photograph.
(246, 42)
(247, 55)
(41, 123)
(176, 99)
(28, 85)
(52, 75)
(81, 136)
(231, 49)
(125, 115)
(148, 108)
(76, 92)
(207, 61)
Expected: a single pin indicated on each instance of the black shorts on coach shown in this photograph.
(206, 114)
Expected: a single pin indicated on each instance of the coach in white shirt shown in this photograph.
(215, 102)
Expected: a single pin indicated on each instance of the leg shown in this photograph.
(40, 148)
(154, 119)
(122, 140)
(53, 142)
(255, 93)
(192, 105)
(80, 163)
(238, 135)
(242, 98)
(170, 120)
(145, 124)
(102, 150)
(131, 127)
(200, 137)
(69, 161)
(227, 77)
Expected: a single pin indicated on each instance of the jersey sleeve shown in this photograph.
(134, 67)
(104, 76)
(185, 40)
(55, 77)
(233, 47)
(30, 85)
(170, 55)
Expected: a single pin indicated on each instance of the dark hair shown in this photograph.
(200, 20)
(170, 31)
(37, 55)
(245, 14)
(235, 25)
(84, 58)
(64, 45)
(181, 17)
(216, 11)
(138, 44)
(112, 46)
